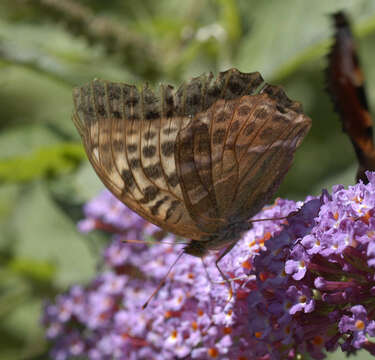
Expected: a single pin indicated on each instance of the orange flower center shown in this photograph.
(246, 265)
(227, 330)
(360, 325)
(318, 340)
(212, 352)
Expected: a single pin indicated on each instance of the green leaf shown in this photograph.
(277, 47)
(52, 52)
(24, 330)
(361, 355)
(8, 198)
(230, 19)
(45, 162)
(39, 271)
(45, 235)
(21, 141)
(79, 186)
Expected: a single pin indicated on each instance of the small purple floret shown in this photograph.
(303, 285)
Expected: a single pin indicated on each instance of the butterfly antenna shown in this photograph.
(221, 282)
(162, 282)
(153, 242)
(270, 219)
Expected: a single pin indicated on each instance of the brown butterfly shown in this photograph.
(199, 161)
(345, 83)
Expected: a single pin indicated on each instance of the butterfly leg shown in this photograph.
(206, 271)
(225, 278)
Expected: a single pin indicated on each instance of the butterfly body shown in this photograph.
(199, 161)
(224, 238)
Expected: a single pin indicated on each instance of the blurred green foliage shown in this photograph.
(48, 46)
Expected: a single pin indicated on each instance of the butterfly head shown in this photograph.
(197, 248)
(229, 234)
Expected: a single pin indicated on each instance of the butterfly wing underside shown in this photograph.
(129, 138)
(195, 159)
(264, 148)
(232, 158)
(345, 83)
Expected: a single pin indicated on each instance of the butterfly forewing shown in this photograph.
(195, 160)
(124, 132)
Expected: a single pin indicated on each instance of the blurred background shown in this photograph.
(49, 46)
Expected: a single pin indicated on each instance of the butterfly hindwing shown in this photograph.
(206, 156)
(223, 129)
(273, 133)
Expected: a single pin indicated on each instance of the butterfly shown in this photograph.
(198, 161)
(345, 84)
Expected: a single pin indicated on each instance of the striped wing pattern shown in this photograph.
(194, 160)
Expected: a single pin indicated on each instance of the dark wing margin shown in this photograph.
(345, 84)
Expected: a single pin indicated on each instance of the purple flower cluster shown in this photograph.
(106, 213)
(316, 279)
(300, 285)
(192, 316)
